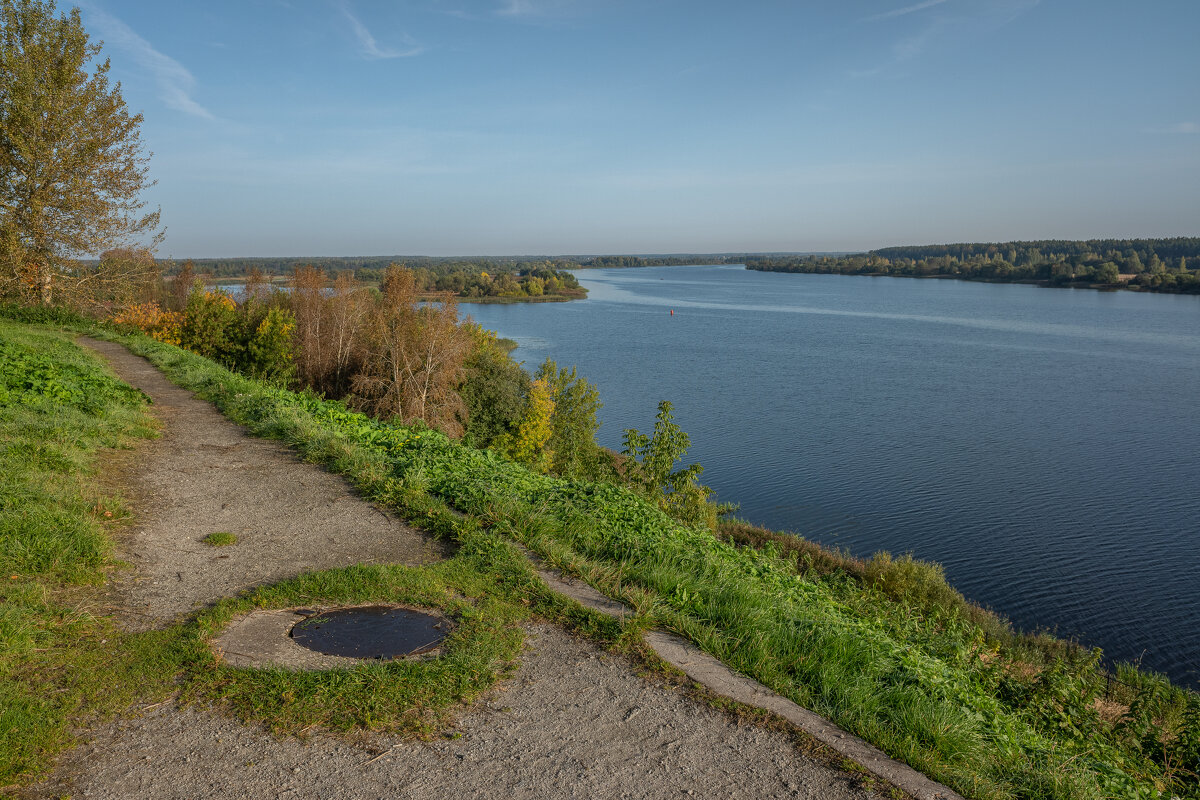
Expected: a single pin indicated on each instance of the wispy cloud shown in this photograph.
(175, 83)
(912, 46)
(900, 12)
(536, 9)
(371, 48)
(516, 8)
(1178, 127)
(971, 19)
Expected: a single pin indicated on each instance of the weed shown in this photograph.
(220, 539)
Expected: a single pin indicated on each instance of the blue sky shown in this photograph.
(457, 127)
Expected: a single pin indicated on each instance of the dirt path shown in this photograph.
(206, 474)
(574, 721)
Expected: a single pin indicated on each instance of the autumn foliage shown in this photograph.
(152, 320)
(414, 358)
(330, 337)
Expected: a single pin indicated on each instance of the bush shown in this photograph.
(267, 348)
(921, 583)
(650, 471)
(165, 326)
(493, 392)
(209, 320)
(254, 338)
(572, 443)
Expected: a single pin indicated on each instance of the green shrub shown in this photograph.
(493, 392)
(573, 424)
(267, 352)
(650, 471)
(921, 583)
(209, 326)
(254, 338)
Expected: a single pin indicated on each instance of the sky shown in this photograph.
(505, 127)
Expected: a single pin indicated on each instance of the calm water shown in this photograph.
(1041, 444)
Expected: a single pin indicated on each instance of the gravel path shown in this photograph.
(573, 722)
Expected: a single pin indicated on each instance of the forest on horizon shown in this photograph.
(1160, 265)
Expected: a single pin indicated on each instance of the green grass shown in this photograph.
(886, 658)
(888, 653)
(65, 664)
(220, 539)
(61, 660)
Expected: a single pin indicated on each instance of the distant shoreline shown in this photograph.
(545, 298)
(1043, 284)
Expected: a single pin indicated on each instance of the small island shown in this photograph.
(474, 280)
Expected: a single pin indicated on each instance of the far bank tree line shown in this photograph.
(372, 267)
(517, 280)
(1159, 265)
(536, 281)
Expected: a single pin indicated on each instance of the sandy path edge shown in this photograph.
(715, 676)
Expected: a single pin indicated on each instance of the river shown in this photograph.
(1041, 444)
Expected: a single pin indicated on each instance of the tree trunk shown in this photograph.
(44, 280)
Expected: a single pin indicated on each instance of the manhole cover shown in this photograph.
(371, 632)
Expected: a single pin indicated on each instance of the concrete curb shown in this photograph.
(715, 676)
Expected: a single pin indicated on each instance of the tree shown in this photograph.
(494, 390)
(71, 162)
(123, 277)
(1108, 273)
(529, 446)
(181, 285)
(573, 438)
(413, 362)
(650, 470)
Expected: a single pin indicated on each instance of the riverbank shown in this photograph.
(548, 298)
(928, 417)
(285, 284)
(1151, 265)
(930, 686)
(374, 728)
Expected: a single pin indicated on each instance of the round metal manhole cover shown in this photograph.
(371, 632)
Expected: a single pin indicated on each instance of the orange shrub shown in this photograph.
(152, 320)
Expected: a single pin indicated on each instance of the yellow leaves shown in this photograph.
(284, 325)
(150, 319)
(536, 428)
(221, 299)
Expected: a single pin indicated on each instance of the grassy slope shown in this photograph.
(60, 658)
(930, 688)
(64, 663)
